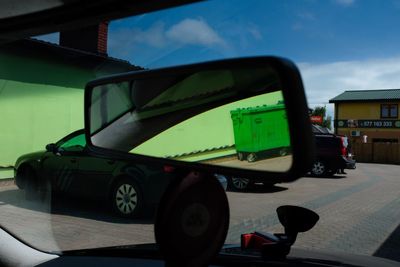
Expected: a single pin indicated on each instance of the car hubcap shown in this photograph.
(318, 168)
(251, 157)
(240, 183)
(126, 198)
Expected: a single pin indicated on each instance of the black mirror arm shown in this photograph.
(291, 236)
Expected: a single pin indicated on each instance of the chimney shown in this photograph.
(91, 38)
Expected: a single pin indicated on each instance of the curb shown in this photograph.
(6, 182)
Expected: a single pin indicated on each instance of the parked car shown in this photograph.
(67, 168)
(332, 153)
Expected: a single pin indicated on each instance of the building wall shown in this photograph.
(210, 131)
(41, 100)
(366, 111)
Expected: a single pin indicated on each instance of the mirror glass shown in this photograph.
(231, 117)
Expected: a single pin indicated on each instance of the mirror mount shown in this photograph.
(277, 246)
(296, 220)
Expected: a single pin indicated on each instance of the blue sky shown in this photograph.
(338, 44)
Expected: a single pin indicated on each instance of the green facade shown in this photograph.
(41, 98)
(206, 136)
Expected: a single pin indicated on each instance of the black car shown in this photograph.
(67, 168)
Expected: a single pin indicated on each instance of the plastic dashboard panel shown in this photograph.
(16, 253)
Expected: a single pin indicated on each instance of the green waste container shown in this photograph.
(260, 131)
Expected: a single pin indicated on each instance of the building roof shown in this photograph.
(367, 95)
(34, 61)
(58, 51)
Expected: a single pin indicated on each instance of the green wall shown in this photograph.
(33, 115)
(211, 130)
(41, 100)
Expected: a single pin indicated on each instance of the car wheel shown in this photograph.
(126, 198)
(240, 156)
(34, 188)
(283, 152)
(318, 168)
(251, 157)
(238, 184)
(31, 187)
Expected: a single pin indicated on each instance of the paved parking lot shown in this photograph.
(359, 213)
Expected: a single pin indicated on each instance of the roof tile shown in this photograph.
(367, 95)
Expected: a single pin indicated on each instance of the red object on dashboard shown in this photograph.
(253, 241)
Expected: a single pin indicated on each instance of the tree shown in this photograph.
(321, 111)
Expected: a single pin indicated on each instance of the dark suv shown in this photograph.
(333, 153)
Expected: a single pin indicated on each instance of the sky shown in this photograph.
(338, 45)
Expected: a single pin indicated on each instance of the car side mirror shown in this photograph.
(51, 148)
(246, 117)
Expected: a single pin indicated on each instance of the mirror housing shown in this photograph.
(297, 219)
(51, 147)
(147, 89)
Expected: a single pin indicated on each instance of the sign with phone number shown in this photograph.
(367, 123)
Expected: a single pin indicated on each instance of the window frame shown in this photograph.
(389, 111)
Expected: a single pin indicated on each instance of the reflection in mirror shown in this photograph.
(230, 117)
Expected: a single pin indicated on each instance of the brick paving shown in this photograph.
(359, 213)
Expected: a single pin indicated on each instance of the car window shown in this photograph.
(348, 55)
(76, 143)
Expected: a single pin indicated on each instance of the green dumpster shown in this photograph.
(260, 131)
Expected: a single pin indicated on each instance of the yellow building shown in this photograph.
(370, 116)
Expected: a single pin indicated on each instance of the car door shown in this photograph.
(61, 169)
(62, 165)
(82, 174)
(95, 174)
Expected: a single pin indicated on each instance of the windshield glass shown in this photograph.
(347, 51)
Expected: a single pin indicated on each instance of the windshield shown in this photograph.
(64, 199)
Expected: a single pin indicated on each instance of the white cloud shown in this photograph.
(153, 36)
(255, 32)
(327, 80)
(186, 32)
(122, 42)
(194, 31)
(345, 2)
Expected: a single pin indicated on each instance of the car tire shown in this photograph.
(319, 168)
(126, 198)
(31, 187)
(251, 157)
(283, 152)
(238, 184)
(240, 156)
